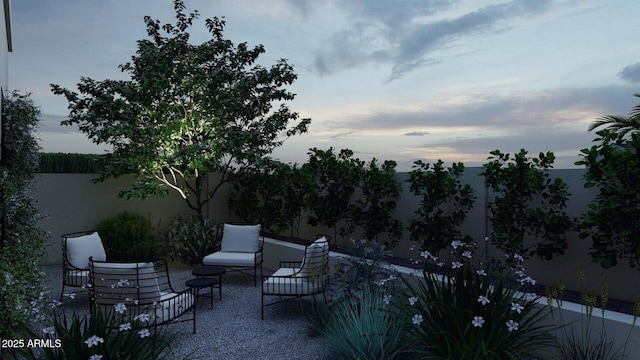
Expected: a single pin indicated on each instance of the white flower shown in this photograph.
(413, 247)
(528, 280)
(386, 299)
(124, 327)
(518, 257)
(512, 325)
(95, 357)
(456, 244)
(483, 300)
(123, 282)
(413, 300)
(49, 330)
(456, 264)
(120, 308)
(142, 317)
(517, 307)
(440, 264)
(93, 340)
(477, 321)
(425, 254)
(144, 333)
(417, 319)
(70, 295)
(481, 272)
(466, 254)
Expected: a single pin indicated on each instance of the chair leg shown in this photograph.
(262, 306)
(194, 314)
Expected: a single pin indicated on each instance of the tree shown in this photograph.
(379, 195)
(528, 214)
(187, 111)
(444, 204)
(620, 124)
(273, 195)
(612, 220)
(336, 177)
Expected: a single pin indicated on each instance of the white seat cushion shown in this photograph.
(172, 305)
(76, 277)
(315, 256)
(81, 248)
(224, 258)
(286, 281)
(240, 238)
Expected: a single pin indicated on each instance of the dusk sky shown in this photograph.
(395, 80)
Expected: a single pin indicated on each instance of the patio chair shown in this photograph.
(240, 250)
(143, 288)
(77, 248)
(297, 279)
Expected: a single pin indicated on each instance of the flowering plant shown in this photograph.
(459, 310)
(103, 335)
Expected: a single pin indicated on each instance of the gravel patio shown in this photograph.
(233, 329)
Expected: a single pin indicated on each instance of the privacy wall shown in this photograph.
(70, 202)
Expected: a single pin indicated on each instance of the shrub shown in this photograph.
(464, 312)
(189, 239)
(363, 271)
(366, 267)
(363, 328)
(127, 236)
(22, 241)
(580, 340)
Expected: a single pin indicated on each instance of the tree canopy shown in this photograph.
(187, 111)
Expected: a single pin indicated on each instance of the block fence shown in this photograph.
(70, 202)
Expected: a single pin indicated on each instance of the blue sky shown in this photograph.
(398, 80)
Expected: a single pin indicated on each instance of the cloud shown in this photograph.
(417, 133)
(561, 107)
(631, 73)
(405, 34)
(423, 39)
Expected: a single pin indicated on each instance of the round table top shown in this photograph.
(201, 282)
(209, 271)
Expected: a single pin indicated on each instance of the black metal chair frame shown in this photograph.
(139, 286)
(246, 270)
(309, 284)
(71, 272)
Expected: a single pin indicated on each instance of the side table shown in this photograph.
(211, 271)
(200, 283)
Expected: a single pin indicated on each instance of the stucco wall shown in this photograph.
(71, 202)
